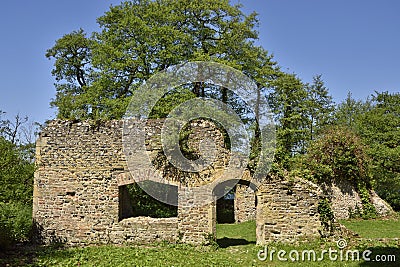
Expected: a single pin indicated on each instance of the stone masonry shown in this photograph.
(244, 204)
(82, 169)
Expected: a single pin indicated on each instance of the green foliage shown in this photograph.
(326, 216)
(320, 107)
(339, 154)
(356, 213)
(145, 205)
(210, 240)
(301, 112)
(287, 102)
(71, 71)
(348, 113)
(16, 182)
(15, 223)
(16, 179)
(380, 127)
(173, 99)
(368, 210)
(16, 174)
(377, 121)
(96, 75)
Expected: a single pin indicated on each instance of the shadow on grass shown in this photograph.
(383, 256)
(229, 242)
(27, 254)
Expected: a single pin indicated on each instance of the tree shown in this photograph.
(288, 103)
(72, 70)
(97, 75)
(11, 130)
(16, 174)
(320, 106)
(16, 180)
(348, 112)
(376, 121)
(380, 128)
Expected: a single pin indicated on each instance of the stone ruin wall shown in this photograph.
(80, 169)
(76, 190)
(244, 204)
(289, 211)
(345, 199)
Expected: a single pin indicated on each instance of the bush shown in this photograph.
(339, 155)
(15, 223)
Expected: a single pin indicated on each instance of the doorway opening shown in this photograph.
(235, 213)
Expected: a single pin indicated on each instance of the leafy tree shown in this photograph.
(72, 70)
(380, 128)
(320, 106)
(16, 182)
(349, 111)
(288, 103)
(376, 121)
(16, 174)
(96, 75)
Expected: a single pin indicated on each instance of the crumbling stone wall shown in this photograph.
(81, 167)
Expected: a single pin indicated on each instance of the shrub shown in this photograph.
(15, 223)
(339, 154)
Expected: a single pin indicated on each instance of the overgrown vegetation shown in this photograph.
(144, 204)
(16, 182)
(338, 155)
(327, 217)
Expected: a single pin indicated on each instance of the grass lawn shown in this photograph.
(236, 234)
(236, 248)
(389, 228)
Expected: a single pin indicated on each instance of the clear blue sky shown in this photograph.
(354, 44)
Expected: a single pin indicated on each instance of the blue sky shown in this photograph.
(354, 44)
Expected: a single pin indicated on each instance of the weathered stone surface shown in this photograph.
(287, 211)
(244, 204)
(381, 206)
(81, 169)
(345, 198)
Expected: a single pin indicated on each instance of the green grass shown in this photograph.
(236, 234)
(383, 228)
(237, 248)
